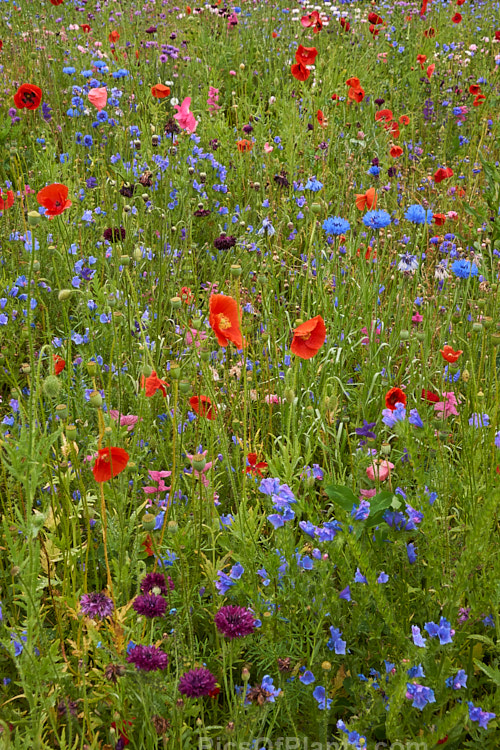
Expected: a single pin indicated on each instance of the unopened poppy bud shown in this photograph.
(404, 335)
(64, 294)
(385, 449)
(495, 339)
(262, 278)
(176, 302)
(91, 367)
(185, 386)
(51, 386)
(175, 371)
(316, 208)
(204, 356)
(147, 370)
(290, 395)
(196, 323)
(420, 335)
(481, 303)
(236, 270)
(173, 527)
(34, 218)
(36, 265)
(125, 260)
(95, 399)
(148, 521)
(466, 376)
(62, 411)
(245, 674)
(487, 322)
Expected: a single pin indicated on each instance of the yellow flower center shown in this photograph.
(224, 322)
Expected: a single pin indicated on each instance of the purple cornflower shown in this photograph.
(150, 605)
(155, 583)
(197, 682)
(147, 658)
(234, 622)
(96, 605)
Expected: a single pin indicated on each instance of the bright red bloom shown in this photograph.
(449, 354)
(254, 467)
(186, 295)
(357, 95)
(109, 463)
(306, 55)
(383, 114)
(224, 319)
(479, 99)
(421, 59)
(375, 19)
(59, 363)
(430, 70)
(314, 20)
(474, 89)
(373, 30)
(309, 337)
(54, 198)
(393, 397)
(457, 18)
(404, 120)
(423, 9)
(56, 2)
(430, 33)
(114, 36)
(300, 72)
(6, 201)
(393, 128)
(366, 200)
(439, 219)
(430, 396)
(497, 35)
(321, 119)
(396, 151)
(85, 27)
(160, 91)
(443, 173)
(28, 96)
(152, 384)
(203, 406)
(345, 24)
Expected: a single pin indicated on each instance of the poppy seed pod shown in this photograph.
(64, 294)
(95, 399)
(175, 371)
(34, 218)
(176, 303)
(62, 411)
(199, 463)
(147, 370)
(185, 387)
(92, 368)
(71, 431)
(148, 521)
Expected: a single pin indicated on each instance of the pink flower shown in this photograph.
(380, 471)
(448, 405)
(232, 72)
(272, 398)
(98, 97)
(268, 148)
(364, 330)
(156, 476)
(417, 318)
(368, 493)
(126, 420)
(185, 119)
(192, 334)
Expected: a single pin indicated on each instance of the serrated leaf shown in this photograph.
(492, 673)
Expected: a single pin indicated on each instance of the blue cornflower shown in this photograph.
(69, 71)
(313, 184)
(374, 171)
(418, 215)
(464, 269)
(88, 141)
(420, 695)
(408, 263)
(497, 440)
(336, 225)
(479, 420)
(376, 219)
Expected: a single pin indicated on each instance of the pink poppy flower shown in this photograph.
(156, 476)
(368, 493)
(448, 405)
(268, 148)
(185, 119)
(126, 420)
(98, 97)
(380, 471)
(193, 335)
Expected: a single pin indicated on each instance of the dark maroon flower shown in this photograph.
(171, 127)
(197, 682)
(155, 583)
(114, 234)
(224, 242)
(281, 179)
(202, 212)
(151, 30)
(148, 658)
(247, 129)
(96, 606)
(127, 190)
(234, 622)
(379, 102)
(150, 605)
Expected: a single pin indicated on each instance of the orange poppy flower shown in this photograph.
(309, 337)
(152, 384)
(6, 201)
(479, 99)
(439, 219)
(254, 467)
(430, 70)
(383, 114)
(357, 95)
(202, 406)
(28, 96)
(306, 55)
(449, 355)
(421, 60)
(367, 200)
(224, 319)
(396, 151)
(59, 364)
(443, 173)
(109, 463)
(300, 72)
(54, 198)
(160, 91)
(394, 396)
(244, 145)
(404, 120)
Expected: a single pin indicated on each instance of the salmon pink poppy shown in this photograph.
(255, 467)
(312, 20)
(109, 463)
(367, 200)
(300, 72)
(202, 406)
(153, 383)
(224, 319)
(395, 396)
(439, 219)
(443, 173)
(306, 55)
(54, 198)
(396, 151)
(160, 91)
(309, 337)
(449, 354)
(98, 97)
(6, 200)
(59, 364)
(379, 471)
(28, 96)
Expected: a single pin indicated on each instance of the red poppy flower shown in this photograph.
(28, 96)
(354, 82)
(430, 70)
(393, 128)
(357, 95)
(300, 72)
(345, 24)
(460, 2)
(439, 219)
(423, 9)
(59, 363)
(224, 319)
(309, 337)
(396, 151)
(306, 55)
(56, 2)
(430, 396)
(254, 467)
(274, 35)
(474, 89)
(152, 384)
(147, 544)
(186, 295)
(367, 200)
(449, 355)
(6, 201)
(375, 19)
(244, 145)
(421, 60)
(109, 463)
(1, 45)
(404, 120)
(497, 35)
(54, 198)
(314, 20)
(457, 18)
(383, 114)
(373, 30)
(479, 99)
(203, 406)
(321, 119)
(442, 742)
(430, 32)
(393, 397)
(114, 36)
(443, 173)
(160, 91)
(335, 97)
(85, 27)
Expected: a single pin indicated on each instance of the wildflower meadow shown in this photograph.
(249, 375)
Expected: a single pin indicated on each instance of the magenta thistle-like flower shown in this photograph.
(197, 682)
(234, 622)
(96, 606)
(147, 658)
(155, 583)
(150, 605)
